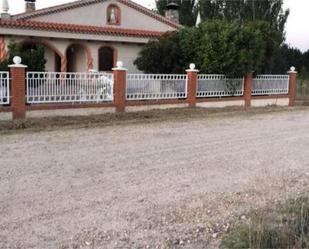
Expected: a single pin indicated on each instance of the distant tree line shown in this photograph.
(288, 56)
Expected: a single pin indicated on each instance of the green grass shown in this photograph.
(284, 226)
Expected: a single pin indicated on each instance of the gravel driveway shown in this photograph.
(160, 185)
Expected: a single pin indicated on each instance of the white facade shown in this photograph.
(74, 33)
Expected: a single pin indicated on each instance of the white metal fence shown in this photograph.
(46, 87)
(156, 86)
(216, 85)
(270, 84)
(4, 88)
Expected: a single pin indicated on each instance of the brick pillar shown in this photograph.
(292, 86)
(120, 79)
(192, 85)
(248, 89)
(17, 73)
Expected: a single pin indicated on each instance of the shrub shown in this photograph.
(32, 56)
(287, 226)
(218, 47)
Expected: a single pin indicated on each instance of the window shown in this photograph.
(106, 59)
(113, 15)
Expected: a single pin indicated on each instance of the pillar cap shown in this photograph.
(119, 66)
(17, 62)
(292, 70)
(192, 68)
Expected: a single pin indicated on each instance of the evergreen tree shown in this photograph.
(286, 57)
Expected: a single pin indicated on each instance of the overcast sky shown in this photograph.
(297, 26)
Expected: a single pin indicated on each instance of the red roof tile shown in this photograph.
(73, 28)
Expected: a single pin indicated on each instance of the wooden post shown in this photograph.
(18, 83)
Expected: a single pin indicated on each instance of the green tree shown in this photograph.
(215, 47)
(245, 10)
(286, 57)
(231, 48)
(187, 11)
(269, 11)
(161, 56)
(32, 56)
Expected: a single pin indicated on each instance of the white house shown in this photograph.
(86, 34)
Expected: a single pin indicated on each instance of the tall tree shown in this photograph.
(187, 10)
(270, 11)
(245, 10)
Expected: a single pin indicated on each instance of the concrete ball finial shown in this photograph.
(192, 66)
(17, 60)
(119, 64)
(292, 69)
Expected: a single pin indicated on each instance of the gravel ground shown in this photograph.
(152, 185)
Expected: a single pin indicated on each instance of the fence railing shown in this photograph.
(270, 84)
(4, 88)
(52, 87)
(156, 86)
(216, 85)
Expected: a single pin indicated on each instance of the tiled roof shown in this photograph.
(76, 4)
(73, 28)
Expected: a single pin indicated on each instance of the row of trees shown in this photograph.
(235, 36)
(244, 10)
(289, 56)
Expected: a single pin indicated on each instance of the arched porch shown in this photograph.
(55, 60)
(107, 58)
(79, 58)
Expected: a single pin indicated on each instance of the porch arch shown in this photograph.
(107, 57)
(79, 58)
(59, 60)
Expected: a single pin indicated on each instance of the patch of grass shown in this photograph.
(285, 226)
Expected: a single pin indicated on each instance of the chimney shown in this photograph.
(172, 12)
(30, 5)
(4, 10)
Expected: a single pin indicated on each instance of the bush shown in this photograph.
(218, 47)
(287, 226)
(231, 48)
(32, 56)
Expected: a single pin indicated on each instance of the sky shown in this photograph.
(297, 28)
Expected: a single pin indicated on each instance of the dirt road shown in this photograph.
(160, 185)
